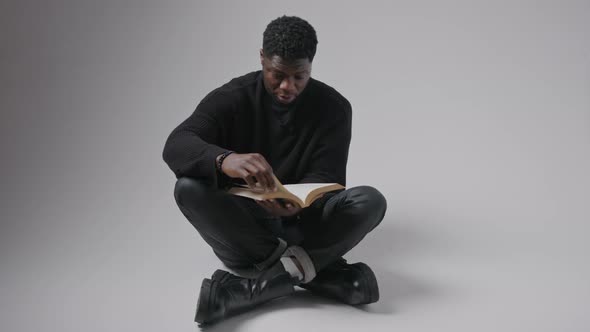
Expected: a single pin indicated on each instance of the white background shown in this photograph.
(471, 117)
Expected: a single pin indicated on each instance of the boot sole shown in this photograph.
(371, 281)
(207, 295)
(207, 292)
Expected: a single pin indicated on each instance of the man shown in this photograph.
(275, 121)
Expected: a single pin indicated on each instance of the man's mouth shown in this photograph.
(285, 98)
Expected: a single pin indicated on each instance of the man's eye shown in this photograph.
(299, 78)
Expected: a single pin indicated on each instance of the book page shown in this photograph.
(247, 192)
(302, 190)
(300, 193)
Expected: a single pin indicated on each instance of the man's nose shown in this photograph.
(288, 84)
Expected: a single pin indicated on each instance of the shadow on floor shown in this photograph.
(384, 249)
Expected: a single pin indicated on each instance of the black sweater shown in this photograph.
(310, 145)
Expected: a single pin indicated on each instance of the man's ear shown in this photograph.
(261, 57)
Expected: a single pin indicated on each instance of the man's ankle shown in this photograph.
(297, 262)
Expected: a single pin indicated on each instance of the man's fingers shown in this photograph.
(266, 179)
(248, 174)
(269, 206)
(276, 207)
(272, 204)
(250, 182)
(255, 171)
(267, 173)
(252, 168)
(264, 171)
(284, 205)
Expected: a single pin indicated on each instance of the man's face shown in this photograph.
(285, 80)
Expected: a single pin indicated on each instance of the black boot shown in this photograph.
(226, 294)
(347, 283)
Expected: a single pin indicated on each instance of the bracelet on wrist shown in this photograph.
(221, 158)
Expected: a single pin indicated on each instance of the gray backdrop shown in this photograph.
(471, 117)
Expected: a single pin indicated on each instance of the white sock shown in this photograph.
(294, 255)
(290, 266)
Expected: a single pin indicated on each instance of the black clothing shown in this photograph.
(304, 142)
(243, 235)
(313, 148)
(226, 294)
(348, 283)
(280, 130)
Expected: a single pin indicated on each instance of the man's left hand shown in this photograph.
(278, 208)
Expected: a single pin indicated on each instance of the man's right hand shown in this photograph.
(252, 167)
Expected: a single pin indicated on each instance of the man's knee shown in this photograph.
(190, 190)
(371, 202)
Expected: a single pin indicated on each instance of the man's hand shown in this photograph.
(252, 167)
(279, 209)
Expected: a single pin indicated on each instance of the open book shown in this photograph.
(302, 194)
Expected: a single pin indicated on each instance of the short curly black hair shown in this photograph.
(291, 38)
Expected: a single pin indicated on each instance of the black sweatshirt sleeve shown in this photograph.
(192, 147)
(329, 159)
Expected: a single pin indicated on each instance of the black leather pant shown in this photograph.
(243, 235)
